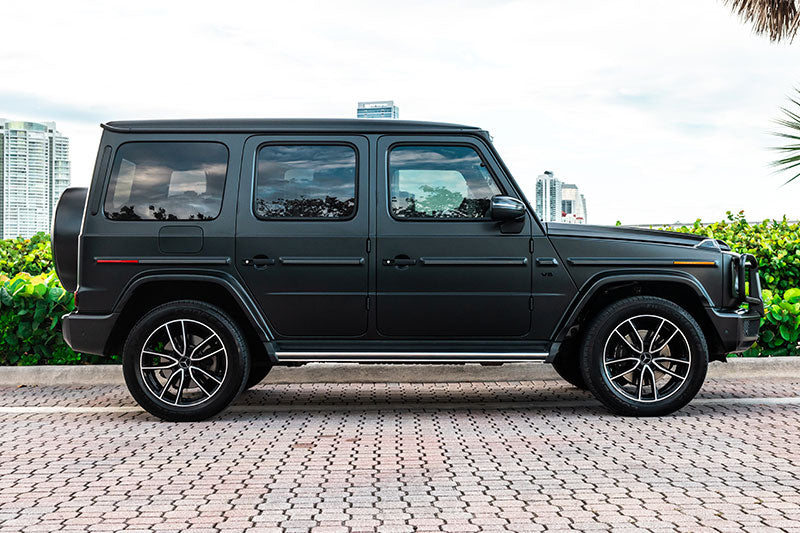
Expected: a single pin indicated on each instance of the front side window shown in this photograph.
(167, 181)
(312, 181)
(439, 182)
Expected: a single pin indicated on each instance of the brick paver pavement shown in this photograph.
(510, 456)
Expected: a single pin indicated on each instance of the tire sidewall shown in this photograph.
(235, 348)
(592, 362)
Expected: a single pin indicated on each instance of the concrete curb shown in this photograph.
(737, 368)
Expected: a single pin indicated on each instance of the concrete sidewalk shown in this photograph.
(735, 368)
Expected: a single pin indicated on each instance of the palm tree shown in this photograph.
(790, 153)
(779, 19)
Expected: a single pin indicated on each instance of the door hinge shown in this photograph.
(369, 245)
(367, 303)
(530, 245)
(530, 303)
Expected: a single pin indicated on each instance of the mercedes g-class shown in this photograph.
(208, 251)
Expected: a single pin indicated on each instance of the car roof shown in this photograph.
(273, 125)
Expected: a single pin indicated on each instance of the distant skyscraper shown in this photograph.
(557, 201)
(384, 109)
(548, 197)
(34, 171)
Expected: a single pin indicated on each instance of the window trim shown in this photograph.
(475, 148)
(300, 142)
(113, 161)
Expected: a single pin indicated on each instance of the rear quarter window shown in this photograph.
(167, 181)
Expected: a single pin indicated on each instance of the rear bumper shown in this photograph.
(88, 333)
(738, 330)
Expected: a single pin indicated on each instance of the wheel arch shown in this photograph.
(149, 291)
(681, 289)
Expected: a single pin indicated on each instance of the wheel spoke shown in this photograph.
(202, 343)
(184, 340)
(624, 338)
(210, 376)
(658, 350)
(172, 340)
(641, 382)
(208, 394)
(666, 371)
(653, 378)
(180, 388)
(206, 356)
(671, 360)
(655, 335)
(636, 331)
(621, 360)
(626, 372)
(165, 356)
(169, 381)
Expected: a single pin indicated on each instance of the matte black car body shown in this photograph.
(373, 288)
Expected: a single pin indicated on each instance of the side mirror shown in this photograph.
(504, 208)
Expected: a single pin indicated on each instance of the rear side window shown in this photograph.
(439, 182)
(313, 181)
(167, 181)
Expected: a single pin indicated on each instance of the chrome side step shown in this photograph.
(411, 357)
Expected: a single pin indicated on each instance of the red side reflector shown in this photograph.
(117, 260)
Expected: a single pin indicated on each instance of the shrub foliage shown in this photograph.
(776, 245)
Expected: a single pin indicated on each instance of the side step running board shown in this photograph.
(411, 357)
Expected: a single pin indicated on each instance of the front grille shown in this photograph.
(750, 327)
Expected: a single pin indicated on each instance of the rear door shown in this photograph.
(445, 269)
(302, 233)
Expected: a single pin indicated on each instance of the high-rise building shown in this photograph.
(557, 201)
(548, 197)
(383, 109)
(34, 171)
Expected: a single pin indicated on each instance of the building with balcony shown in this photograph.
(34, 171)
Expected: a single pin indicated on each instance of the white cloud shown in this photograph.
(657, 110)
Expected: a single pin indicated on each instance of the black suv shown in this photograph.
(209, 251)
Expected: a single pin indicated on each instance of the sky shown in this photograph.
(660, 111)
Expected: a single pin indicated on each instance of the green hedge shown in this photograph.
(32, 300)
(776, 245)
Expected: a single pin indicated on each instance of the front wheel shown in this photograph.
(644, 356)
(185, 361)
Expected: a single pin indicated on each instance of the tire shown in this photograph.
(567, 365)
(644, 356)
(257, 375)
(182, 381)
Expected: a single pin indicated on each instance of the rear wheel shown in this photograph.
(185, 361)
(644, 356)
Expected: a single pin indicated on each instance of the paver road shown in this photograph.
(510, 456)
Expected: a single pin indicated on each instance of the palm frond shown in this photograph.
(778, 19)
(790, 152)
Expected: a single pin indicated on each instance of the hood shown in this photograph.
(627, 233)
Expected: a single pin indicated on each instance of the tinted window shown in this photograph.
(439, 182)
(305, 181)
(167, 181)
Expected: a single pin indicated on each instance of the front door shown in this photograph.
(302, 232)
(445, 269)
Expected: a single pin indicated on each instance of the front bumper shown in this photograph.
(738, 330)
(88, 333)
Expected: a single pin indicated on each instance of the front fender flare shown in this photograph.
(597, 283)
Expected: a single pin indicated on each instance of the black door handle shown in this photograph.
(400, 261)
(259, 261)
